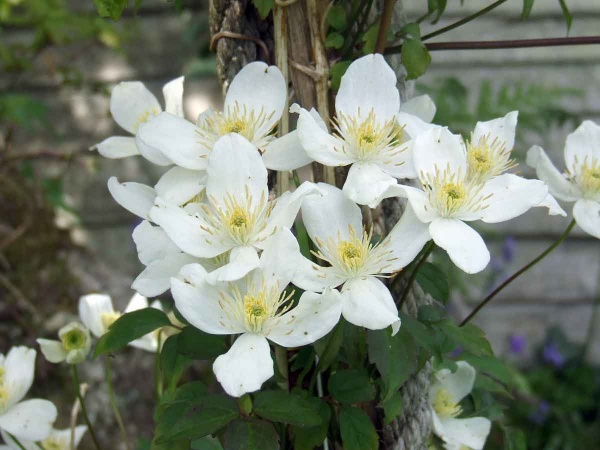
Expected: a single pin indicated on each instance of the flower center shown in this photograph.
(444, 405)
(3, 391)
(108, 318)
(590, 177)
(53, 443)
(74, 339)
(255, 309)
(487, 158)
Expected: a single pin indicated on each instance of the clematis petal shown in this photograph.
(471, 432)
(187, 232)
(463, 244)
(417, 199)
(324, 217)
(173, 93)
(131, 103)
(367, 302)
(136, 198)
(421, 106)
(365, 184)
(53, 351)
(438, 149)
(405, 241)
(412, 125)
(312, 277)
(368, 85)
(152, 243)
(180, 185)
(91, 308)
(156, 277)
(558, 185)
(12, 445)
(286, 153)
(236, 169)
(583, 144)
(503, 129)
(278, 259)
(510, 196)
(458, 384)
(176, 139)
(242, 260)
(116, 147)
(245, 366)
(29, 420)
(313, 318)
(19, 367)
(554, 209)
(400, 164)
(199, 302)
(587, 214)
(136, 303)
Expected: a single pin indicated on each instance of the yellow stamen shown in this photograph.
(586, 175)
(53, 443)
(74, 339)
(144, 117)
(445, 406)
(108, 318)
(487, 158)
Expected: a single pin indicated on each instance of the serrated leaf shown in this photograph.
(337, 71)
(307, 438)
(415, 58)
(527, 5)
(286, 407)
(197, 344)
(434, 282)
(357, 430)
(392, 407)
(250, 434)
(264, 7)
(351, 386)
(129, 327)
(334, 40)
(336, 18)
(566, 13)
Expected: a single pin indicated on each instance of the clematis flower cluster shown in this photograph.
(215, 235)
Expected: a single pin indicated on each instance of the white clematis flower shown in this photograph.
(253, 106)
(258, 308)
(74, 345)
(238, 216)
(30, 419)
(131, 105)
(334, 223)
(581, 181)
(57, 440)
(445, 394)
(449, 197)
(98, 314)
(370, 132)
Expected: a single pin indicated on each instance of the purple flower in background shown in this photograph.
(540, 414)
(456, 352)
(509, 248)
(517, 343)
(552, 355)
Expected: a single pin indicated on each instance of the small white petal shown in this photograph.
(179, 185)
(421, 107)
(313, 318)
(31, 420)
(136, 303)
(418, 201)
(457, 384)
(156, 277)
(173, 92)
(413, 125)
(368, 303)
(152, 243)
(312, 277)
(246, 366)
(136, 198)
(438, 149)
(583, 144)
(471, 432)
(503, 129)
(242, 260)
(19, 367)
(406, 240)
(116, 147)
(53, 351)
(131, 103)
(554, 209)
(154, 155)
(587, 215)
(277, 261)
(558, 185)
(286, 153)
(463, 244)
(366, 183)
(91, 308)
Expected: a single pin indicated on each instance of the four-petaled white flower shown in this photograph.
(258, 308)
(581, 181)
(253, 106)
(98, 314)
(372, 132)
(131, 105)
(450, 196)
(237, 217)
(30, 419)
(334, 223)
(445, 395)
(57, 440)
(74, 345)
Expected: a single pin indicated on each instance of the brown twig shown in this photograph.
(384, 26)
(35, 154)
(230, 35)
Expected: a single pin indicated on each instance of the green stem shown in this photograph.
(83, 408)
(38, 445)
(413, 275)
(281, 358)
(113, 402)
(518, 273)
(16, 441)
(157, 374)
(296, 178)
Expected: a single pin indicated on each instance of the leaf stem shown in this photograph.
(428, 249)
(518, 273)
(386, 20)
(281, 358)
(113, 402)
(158, 383)
(83, 408)
(16, 441)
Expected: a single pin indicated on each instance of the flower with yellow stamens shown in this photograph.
(57, 440)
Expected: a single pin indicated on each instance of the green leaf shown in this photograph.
(415, 58)
(303, 239)
(334, 40)
(336, 18)
(197, 344)
(307, 438)
(437, 6)
(110, 8)
(527, 5)
(337, 71)
(394, 356)
(193, 419)
(286, 407)
(206, 443)
(129, 327)
(358, 432)
(370, 38)
(470, 338)
(514, 439)
(393, 407)
(172, 364)
(351, 386)
(264, 7)
(423, 334)
(250, 434)
(566, 13)
(328, 347)
(434, 282)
